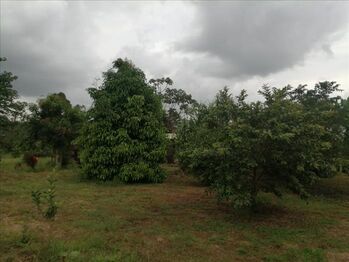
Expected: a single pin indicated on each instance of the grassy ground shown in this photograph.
(173, 221)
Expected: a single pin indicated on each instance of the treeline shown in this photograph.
(122, 136)
(286, 141)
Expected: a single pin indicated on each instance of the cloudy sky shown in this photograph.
(64, 46)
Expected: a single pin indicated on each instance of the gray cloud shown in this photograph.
(49, 48)
(203, 46)
(243, 39)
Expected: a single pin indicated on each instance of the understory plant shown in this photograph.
(45, 199)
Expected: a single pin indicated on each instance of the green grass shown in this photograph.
(173, 221)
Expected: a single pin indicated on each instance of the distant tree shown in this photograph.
(177, 103)
(14, 135)
(344, 149)
(124, 137)
(160, 84)
(241, 148)
(55, 123)
(10, 108)
(345, 115)
(8, 95)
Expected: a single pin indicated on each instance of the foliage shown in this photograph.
(241, 148)
(30, 159)
(344, 148)
(8, 104)
(10, 109)
(158, 84)
(323, 107)
(124, 136)
(170, 153)
(177, 103)
(54, 123)
(46, 198)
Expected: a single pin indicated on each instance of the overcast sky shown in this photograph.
(203, 46)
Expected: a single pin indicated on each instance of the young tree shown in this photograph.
(55, 123)
(124, 137)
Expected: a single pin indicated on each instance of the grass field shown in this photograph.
(173, 221)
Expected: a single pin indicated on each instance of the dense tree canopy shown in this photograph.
(241, 148)
(54, 123)
(124, 137)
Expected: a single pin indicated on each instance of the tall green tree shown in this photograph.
(124, 137)
(55, 123)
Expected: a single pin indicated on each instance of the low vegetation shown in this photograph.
(174, 221)
(47, 198)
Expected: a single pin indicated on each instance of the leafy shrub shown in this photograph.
(124, 136)
(30, 159)
(46, 198)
